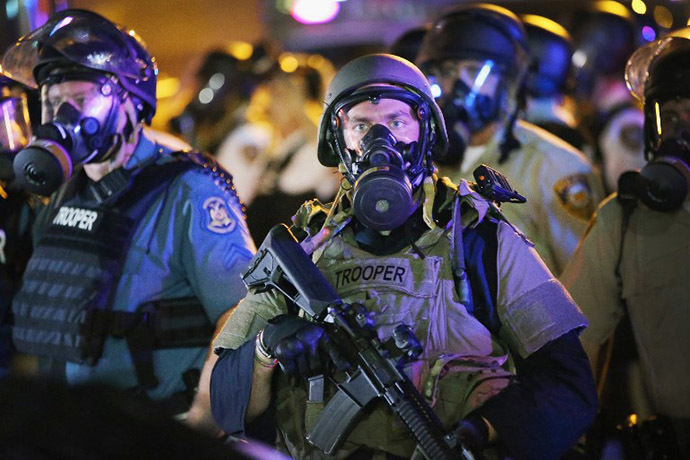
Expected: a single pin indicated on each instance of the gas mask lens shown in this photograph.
(470, 91)
(88, 98)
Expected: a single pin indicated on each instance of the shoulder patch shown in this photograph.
(575, 195)
(218, 217)
(210, 167)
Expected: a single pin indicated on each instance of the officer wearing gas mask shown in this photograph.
(477, 60)
(634, 258)
(392, 241)
(137, 254)
(548, 104)
(605, 34)
(17, 208)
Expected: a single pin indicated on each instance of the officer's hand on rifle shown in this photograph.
(301, 347)
(472, 433)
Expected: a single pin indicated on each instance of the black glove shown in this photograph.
(473, 433)
(301, 347)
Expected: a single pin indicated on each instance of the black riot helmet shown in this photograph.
(604, 34)
(481, 51)
(402, 79)
(408, 44)
(476, 31)
(77, 46)
(657, 75)
(80, 39)
(551, 48)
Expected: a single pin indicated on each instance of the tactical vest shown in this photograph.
(463, 363)
(63, 310)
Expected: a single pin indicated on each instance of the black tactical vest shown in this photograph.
(74, 271)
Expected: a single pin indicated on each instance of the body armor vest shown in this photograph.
(463, 363)
(72, 276)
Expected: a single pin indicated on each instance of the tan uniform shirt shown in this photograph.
(561, 189)
(655, 269)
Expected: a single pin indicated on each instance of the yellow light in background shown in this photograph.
(663, 16)
(639, 7)
(547, 24)
(315, 61)
(657, 113)
(240, 50)
(632, 420)
(167, 87)
(288, 63)
(615, 8)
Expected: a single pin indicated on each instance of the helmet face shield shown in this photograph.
(15, 129)
(657, 75)
(85, 39)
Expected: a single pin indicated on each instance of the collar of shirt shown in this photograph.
(145, 150)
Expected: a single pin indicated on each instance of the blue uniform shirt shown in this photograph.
(193, 241)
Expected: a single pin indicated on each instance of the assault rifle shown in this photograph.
(374, 370)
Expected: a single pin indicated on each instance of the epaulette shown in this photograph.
(211, 167)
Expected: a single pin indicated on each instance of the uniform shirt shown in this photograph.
(654, 269)
(180, 249)
(561, 189)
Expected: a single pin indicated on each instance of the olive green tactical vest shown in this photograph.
(462, 364)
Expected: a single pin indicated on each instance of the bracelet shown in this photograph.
(261, 355)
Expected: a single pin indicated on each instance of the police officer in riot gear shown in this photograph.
(17, 208)
(123, 285)
(605, 34)
(411, 247)
(633, 259)
(549, 80)
(476, 56)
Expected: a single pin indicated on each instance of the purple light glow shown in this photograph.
(315, 11)
(648, 33)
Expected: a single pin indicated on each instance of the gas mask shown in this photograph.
(467, 109)
(382, 198)
(71, 136)
(662, 185)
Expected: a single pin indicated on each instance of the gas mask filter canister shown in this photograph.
(382, 193)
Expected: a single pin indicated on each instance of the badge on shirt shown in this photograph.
(575, 196)
(219, 215)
